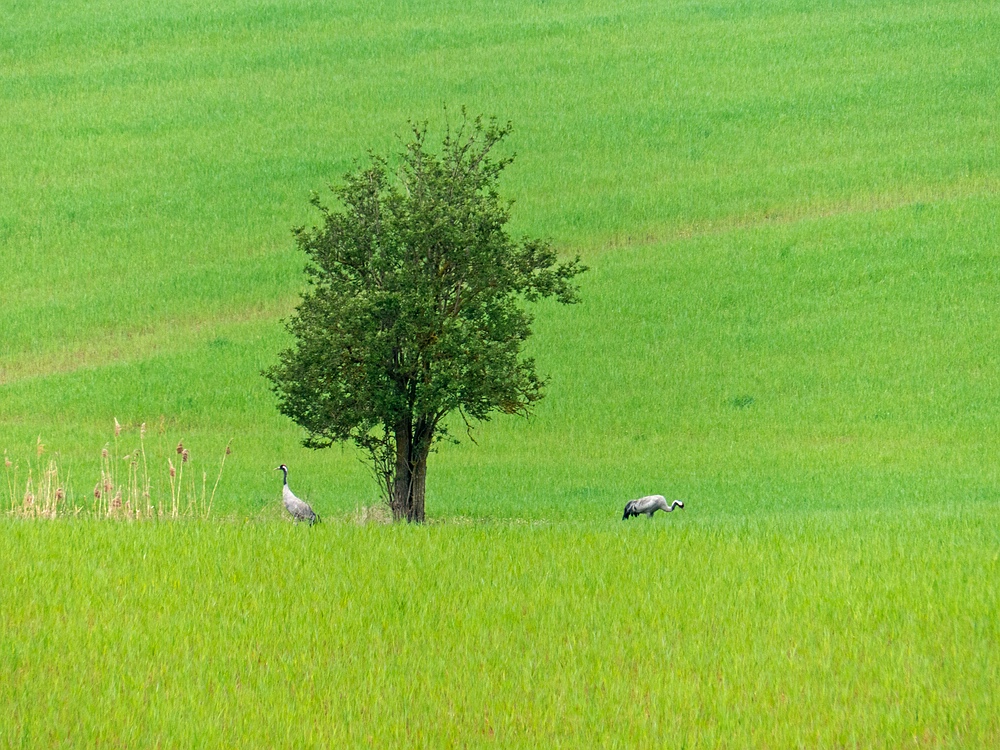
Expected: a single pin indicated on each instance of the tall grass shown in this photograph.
(819, 629)
(124, 490)
(44, 493)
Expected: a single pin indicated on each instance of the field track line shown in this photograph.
(129, 345)
(961, 190)
(123, 345)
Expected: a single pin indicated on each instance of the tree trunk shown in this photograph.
(419, 483)
(400, 503)
(411, 471)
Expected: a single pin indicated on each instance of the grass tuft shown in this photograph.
(124, 490)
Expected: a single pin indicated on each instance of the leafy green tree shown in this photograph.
(414, 309)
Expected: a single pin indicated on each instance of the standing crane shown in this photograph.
(649, 505)
(299, 509)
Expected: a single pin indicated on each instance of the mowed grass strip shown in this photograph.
(812, 629)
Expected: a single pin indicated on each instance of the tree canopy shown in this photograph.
(415, 307)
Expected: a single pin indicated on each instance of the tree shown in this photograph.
(414, 308)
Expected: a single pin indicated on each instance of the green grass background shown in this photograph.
(790, 211)
(785, 201)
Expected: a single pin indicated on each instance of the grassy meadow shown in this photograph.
(826, 630)
(790, 212)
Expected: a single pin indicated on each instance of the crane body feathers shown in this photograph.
(649, 505)
(298, 509)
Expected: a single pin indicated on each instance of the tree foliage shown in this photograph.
(415, 307)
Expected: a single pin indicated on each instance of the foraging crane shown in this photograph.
(300, 510)
(649, 505)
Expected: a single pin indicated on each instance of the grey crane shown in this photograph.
(299, 509)
(649, 505)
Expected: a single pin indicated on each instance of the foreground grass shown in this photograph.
(795, 629)
(789, 209)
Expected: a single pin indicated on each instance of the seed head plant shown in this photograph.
(124, 490)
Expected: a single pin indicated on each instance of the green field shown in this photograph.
(823, 630)
(792, 321)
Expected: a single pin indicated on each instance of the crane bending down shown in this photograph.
(649, 505)
(299, 509)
